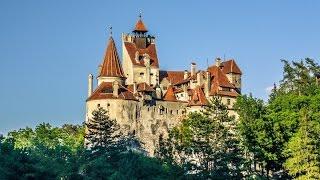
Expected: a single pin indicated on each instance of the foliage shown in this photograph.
(272, 133)
(206, 144)
(303, 150)
(103, 132)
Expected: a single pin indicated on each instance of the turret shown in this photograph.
(111, 69)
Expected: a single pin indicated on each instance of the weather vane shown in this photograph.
(110, 30)
(140, 14)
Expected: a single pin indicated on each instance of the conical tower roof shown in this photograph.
(140, 27)
(111, 64)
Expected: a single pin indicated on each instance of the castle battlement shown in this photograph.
(147, 101)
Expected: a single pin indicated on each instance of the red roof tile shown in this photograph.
(172, 76)
(144, 87)
(140, 27)
(219, 78)
(228, 93)
(111, 64)
(230, 66)
(198, 98)
(170, 96)
(150, 50)
(105, 91)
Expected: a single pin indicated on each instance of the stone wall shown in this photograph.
(145, 120)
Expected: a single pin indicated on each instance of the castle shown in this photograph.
(146, 101)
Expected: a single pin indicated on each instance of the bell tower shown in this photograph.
(140, 60)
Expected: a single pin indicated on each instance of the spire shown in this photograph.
(111, 64)
(140, 27)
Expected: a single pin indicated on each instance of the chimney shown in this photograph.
(207, 84)
(193, 69)
(199, 78)
(115, 87)
(134, 87)
(90, 84)
(99, 69)
(185, 75)
(146, 59)
(185, 91)
(218, 62)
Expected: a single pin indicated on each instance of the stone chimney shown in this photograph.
(207, 84)
(146, 59)
(199, 78)
(115, 87)
(99, 69)
(90, 84)
(193, 69)
(134, 87)
(218, 62)
(185, 75)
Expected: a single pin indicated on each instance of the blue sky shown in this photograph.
(47, 48)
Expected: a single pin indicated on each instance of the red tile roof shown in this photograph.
(140, 27)
(105, 91)
(170, 96)
(144, 87)
(111, 64)
(230, 66)
(172, 76)
(218, 78)
(150, 50)
(198, 98)
(228, 93)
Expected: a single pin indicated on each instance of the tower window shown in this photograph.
(228, 101)
(141, 74)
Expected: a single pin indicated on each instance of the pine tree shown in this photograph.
(102, 132)
(303, 150)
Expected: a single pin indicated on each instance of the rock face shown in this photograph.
(146, 101)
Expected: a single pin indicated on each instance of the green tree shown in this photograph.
(102, 132)
(206, 143)
(303, 150)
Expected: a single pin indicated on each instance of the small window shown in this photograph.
(228, 101)
(177, 111)
(151, 74)
(98, 105)
(141, 74)
(164, 87)
(181, 95)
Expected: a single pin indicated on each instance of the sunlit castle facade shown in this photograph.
(146, 101)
